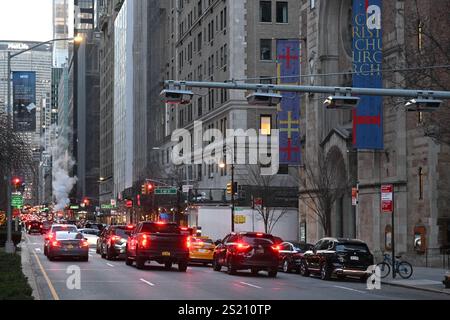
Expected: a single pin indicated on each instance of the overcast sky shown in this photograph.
(26, 20)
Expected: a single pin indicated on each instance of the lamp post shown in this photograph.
(9, 245)
(222, 166)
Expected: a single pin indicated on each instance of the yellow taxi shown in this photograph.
(201, 250)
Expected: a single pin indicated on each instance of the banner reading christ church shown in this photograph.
(367, 65)
(288, 61)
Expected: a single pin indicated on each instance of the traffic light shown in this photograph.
(16, 182)
(86, 202)
(150, 188)
(144, 189)
(229, 188)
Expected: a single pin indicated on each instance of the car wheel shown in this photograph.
(273, 273)
(168, 265)
(286, 266)
(182, 266)
(325, 272)
(304, 269)
(140, 263)
(216, 265)
(128, 261)
(231, 269)
(109, 254)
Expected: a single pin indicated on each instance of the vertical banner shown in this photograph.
(24, 101)
(367, 65)
(288, 63)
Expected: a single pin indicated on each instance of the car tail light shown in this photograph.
(275, 248)
(56, 244)
(188, 242)
(145, 241)
(259, 234)
(242, 246)
(50, 236)
(114, 239)
(84, 243)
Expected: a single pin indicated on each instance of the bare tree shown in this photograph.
(322, 183)
(425, 61)
(15, 156)
(264, 187)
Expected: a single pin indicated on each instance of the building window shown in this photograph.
(420, 36)
(266, 49)
(282, 12)
(265, 9)
(266, 125)
(421, 183)
(313, 4)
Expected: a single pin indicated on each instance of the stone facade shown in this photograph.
(415, 164)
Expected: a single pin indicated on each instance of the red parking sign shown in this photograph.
(387, 198)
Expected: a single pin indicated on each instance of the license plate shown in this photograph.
(166, 254)
(202, 251)
(354, 258)
(69, 247)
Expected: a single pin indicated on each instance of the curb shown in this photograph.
(28, 270)
(415, 288)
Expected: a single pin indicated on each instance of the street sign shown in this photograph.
(17, 201)
(186, 188)
(387, 198)
(74, 207)
(238, 219)
(355, 197)
(166, 191)
(107, 207)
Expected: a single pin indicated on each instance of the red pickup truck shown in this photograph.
(160, 242)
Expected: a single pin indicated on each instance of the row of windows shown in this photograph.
(281, 11)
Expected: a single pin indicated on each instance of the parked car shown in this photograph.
(52, 233)
(247, 250)
(112, 242)
(160, 242)
(201, 250)
(68, 244)
(291, 253)
(340, 257)
(91, 235)
(34, 227)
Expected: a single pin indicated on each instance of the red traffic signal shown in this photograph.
(86, 202)
(129, 203)
(150, 188)
(16, 181)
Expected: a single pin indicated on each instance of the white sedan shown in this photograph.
(91, 235)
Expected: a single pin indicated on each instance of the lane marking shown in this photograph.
(47, 279)
(147, 282)
(37, 249)
(349, 289)
(250, 285)
(110, 265)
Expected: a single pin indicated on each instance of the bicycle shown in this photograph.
(403, 268)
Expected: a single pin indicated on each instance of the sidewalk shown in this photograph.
(27, 268)
(426, 279)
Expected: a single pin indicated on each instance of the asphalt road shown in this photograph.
(113, 280)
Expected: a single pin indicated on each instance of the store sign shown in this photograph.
(387, 199)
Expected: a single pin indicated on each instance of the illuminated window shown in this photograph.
(266, 125)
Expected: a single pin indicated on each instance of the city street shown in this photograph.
(113, 280)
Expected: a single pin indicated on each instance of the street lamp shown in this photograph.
(9, 245)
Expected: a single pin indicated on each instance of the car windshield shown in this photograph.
(254, 240)
(121, 233)
(160, 228)
(346, 247)
(68, 236)
(64, 228)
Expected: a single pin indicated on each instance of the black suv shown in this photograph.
(340, 257)
(112, 241)
(247, 250)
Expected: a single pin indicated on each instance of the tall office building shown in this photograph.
(62, 29)
(39, 62)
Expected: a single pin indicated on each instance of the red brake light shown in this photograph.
(188, 242)
(130, 227)
(50, 236)
(275, 248)
(184, 229)
(161, 222)
(259, 234)
(55, 244)
(242, 246)
(145, 242)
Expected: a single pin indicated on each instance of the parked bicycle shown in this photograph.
(403, 268)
